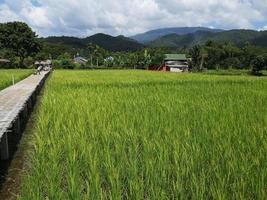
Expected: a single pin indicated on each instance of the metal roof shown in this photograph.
(80, 59)
(175, 57)
(47, 62)
(4, 60)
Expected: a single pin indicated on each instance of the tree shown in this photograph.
(229, 57)
(215, 54)
(249, 53)
(197, 59)
(143, 59)
(20, 39)
(231, 62)
(157, 55)
(97, 54)
(131, 61)
(42, 56)
(258, 64)
(147, 59)
(64, 56)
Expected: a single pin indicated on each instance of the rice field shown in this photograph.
(149, 135)
(6, 78)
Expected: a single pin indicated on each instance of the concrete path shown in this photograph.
(16, 103)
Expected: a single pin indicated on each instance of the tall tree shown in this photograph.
(214, 54)
(96, 53)
(144, 59)
(197, 59)
(258, 64)
(157, 55)
(20, 39)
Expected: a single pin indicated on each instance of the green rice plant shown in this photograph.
(6, 76)
(149, 135)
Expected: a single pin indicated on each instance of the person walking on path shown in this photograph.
(38, 69)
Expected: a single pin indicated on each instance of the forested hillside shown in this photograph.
(110, 43)
(173, 41)
(149, 36)
(237, 37)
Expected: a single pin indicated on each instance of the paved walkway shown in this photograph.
(14, 98)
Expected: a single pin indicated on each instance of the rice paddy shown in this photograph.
(149, 135)
(6, 76)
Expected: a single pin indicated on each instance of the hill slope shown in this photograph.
(175, 40)
(155, 34)
(107, 42)
(119, 43)
(238, 37)
(260, 40)
(65, 41)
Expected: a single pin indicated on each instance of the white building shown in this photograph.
(176, 63)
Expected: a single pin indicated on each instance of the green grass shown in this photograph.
(149, 135)
(232, 72)
(6, 76)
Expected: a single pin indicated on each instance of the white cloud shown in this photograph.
(6, 14)
(85, 17)
(37, 16)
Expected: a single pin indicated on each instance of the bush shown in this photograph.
(258, 64)
(28, 62)
(64, 64)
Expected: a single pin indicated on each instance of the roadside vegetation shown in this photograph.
(6, 76)
(149, 135)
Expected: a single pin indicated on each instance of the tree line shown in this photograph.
(101, 58)
(214, 55)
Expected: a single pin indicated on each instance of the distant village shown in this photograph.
(171, 63)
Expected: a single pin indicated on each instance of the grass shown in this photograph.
(149, 135)
(230, 72)
(233, 72)
(6, 76)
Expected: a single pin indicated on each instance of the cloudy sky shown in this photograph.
(128, 17)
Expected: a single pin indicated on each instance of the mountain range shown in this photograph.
(237, 37)
(169, 37)
(157, 33)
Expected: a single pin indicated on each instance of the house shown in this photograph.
(78, 59)
(109, 59)
(172, 63)
(175, 63)
(4, 63)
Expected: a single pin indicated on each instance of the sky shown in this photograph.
(128, 17)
